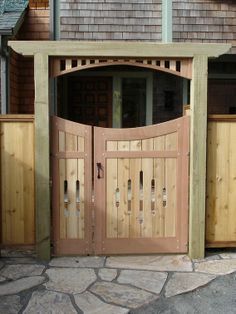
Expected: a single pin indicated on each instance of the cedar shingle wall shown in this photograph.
(204, 21)
(14, 80)
(111, 20)
(35, 4)
(35, 27)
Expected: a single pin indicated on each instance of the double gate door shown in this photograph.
(135, 200)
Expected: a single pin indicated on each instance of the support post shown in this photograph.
(42, 188)
(198, 106)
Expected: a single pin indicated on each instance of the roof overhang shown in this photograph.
(16, 23)
(118, 49)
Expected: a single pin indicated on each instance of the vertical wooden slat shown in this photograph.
(170, 208)
(159, 176)
(63, 210)
(170, 178)
(68, 64)
(80, 177)
(71, 143)
(135, 168)
(61, 141)
(147, 168)
(28, 185)
(111, 209)
(123, 177)
(71, 176)
(232, 181)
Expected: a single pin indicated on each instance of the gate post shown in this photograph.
(42, 188)
(198, 105)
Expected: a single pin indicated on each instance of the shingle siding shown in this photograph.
(110, 20)
(204, 21)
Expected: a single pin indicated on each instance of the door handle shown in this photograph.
(99, 169)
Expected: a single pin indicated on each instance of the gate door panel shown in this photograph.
(72, 182)
(141, 188)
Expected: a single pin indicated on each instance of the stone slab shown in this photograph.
(228, 255)
(220, 267)
(89, 304)
(14, 287)
(207, 258)
(153, 262)
(70, 280)
(10, 304)
(18, 271)
(48, 302)
(129, 297)
(107, 274)
(1, 264)
(20, 260)
(2, 279)
(185, 282)
(17, 253)
(148, 280)
(218, 297)
(80, 261)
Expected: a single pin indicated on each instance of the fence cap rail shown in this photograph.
(222, 117)
(16, 117)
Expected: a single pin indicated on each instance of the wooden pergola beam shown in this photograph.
(117, 49)
(42, 50)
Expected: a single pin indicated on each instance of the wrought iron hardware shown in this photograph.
(99, 169)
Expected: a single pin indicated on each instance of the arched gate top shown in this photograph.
(64, 65)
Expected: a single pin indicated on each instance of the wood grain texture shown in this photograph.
(198, 157)
(17, 182)
(72, 195)
(117, 49)
(138, 197)
(42, 178)
(221, 183)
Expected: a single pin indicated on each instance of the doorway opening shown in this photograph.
(121, 97)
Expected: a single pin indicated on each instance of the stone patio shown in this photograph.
(101, 284)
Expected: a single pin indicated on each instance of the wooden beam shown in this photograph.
(42, 189)
(117, 49)
(198, 106)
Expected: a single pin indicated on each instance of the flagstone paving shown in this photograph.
(153, 262)
(147, 280)
(49, 302)
(218, 267)
(10, 304)
(70, 280)
(107, 274)
(117, 284)
(122, 295)
(18, 271)
(89, 303)
(185, 282)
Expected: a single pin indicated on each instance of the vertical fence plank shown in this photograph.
(221, 182)
(17, 180)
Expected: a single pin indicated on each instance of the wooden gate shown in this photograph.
(71, 188)
(140, 200)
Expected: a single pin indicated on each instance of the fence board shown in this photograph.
(221, 183)
(17, 180)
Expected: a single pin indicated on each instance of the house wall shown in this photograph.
(204, 21)
(35, 27)
(111, 20)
